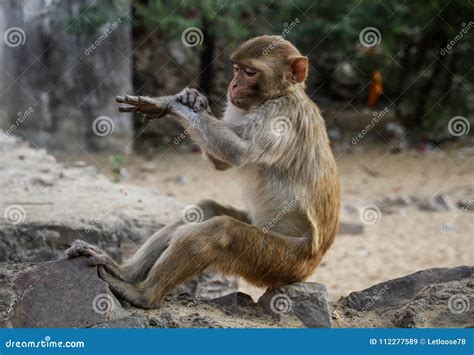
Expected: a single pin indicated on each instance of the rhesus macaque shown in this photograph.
(276, 138)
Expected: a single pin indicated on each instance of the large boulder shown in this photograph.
(62, 294)
(440, 297)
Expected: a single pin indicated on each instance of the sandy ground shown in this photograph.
(401, 243)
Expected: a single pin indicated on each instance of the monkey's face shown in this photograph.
(243, 90)
(265, 67)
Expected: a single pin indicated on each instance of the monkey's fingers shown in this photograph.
(138, 100)
(129, 109)
(142, 110)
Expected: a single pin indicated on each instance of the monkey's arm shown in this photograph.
(213, 135)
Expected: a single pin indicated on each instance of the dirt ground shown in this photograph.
(401, 243)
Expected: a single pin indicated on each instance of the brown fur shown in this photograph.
(290, 182)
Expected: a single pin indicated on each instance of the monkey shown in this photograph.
(275, 137)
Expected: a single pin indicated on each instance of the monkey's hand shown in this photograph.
(193, 99)
(150, 107)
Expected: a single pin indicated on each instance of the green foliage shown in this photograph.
(92, 17)
(418, 78)
(227, 18)
(118, 170)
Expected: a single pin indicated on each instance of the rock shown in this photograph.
(447, 304)
(125, 322)
(307, 301)
(466, 205)
(64, 293)
(439, 297)
(164, 320)
(397, 291)
(40, 222)
(235, 303)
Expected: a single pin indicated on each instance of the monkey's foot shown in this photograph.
(94, 255)
(82, 248)
(124, 291)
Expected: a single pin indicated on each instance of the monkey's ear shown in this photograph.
(299, 69)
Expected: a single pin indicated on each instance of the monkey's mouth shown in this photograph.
(240, 102)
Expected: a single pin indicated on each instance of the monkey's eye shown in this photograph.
(235, 69)
(250, 72)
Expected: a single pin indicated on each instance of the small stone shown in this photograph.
(307, 301)
(234, 302)
(466, 205)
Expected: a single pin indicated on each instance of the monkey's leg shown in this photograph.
(138, 266)
(232, 246)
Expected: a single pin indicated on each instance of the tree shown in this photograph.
(213, 18)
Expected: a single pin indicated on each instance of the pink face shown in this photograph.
(243, 88)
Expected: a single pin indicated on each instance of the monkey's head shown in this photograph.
(265, 67)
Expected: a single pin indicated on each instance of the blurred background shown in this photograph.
(394, 80)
